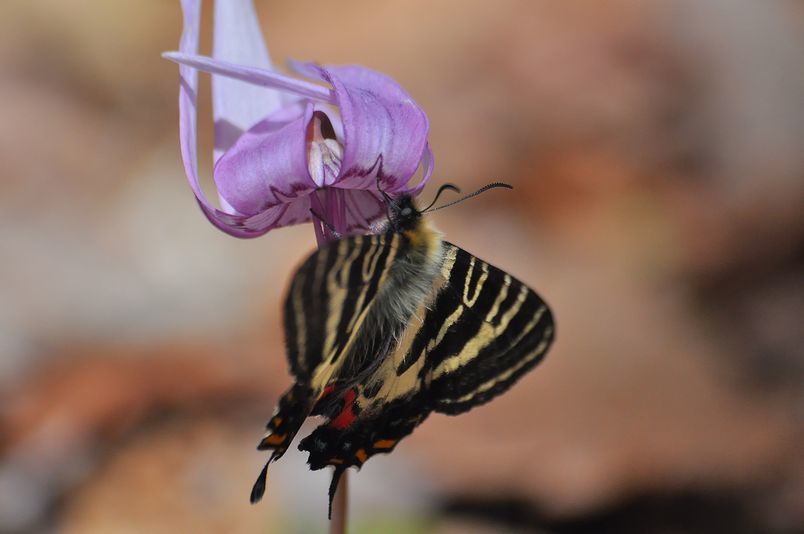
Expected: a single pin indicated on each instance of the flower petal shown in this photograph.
(252, 75)
(361, 209)
(267, 166)
(236, 225)
(385, 132)
(428, 164)
(347, 211)
(236, 105)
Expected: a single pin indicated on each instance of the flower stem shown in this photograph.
(339, 506)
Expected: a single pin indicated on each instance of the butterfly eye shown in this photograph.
(406, 211)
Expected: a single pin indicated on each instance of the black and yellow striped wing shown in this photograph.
(484, 331)
(327, 303)
(479, 332)
(330, 297)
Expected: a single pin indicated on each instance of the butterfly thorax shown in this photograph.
(415, 257)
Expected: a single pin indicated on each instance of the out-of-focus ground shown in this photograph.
(657, 154)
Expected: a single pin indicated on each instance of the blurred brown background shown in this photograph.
(656, 150)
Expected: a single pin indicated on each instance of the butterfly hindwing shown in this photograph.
(368, 434)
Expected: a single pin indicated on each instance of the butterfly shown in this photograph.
(383, 329)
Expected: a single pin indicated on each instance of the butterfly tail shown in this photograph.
(293, 408)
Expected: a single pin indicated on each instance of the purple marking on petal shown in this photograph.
(237, 105)
(267, 165)
(253, 75)
(385, 132)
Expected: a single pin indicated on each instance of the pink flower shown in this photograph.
(285, 145)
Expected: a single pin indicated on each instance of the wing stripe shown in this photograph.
(302, 352)
(342, 314)
(295, 306)
(292, 327)
(486, 335)
(366, 275)
(474, 284)
(374, 269)
(526, 359)
(495, 308)
(471, 324)
(504, 361)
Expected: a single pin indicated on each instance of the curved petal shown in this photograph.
(252, 75)
(294, 212)
(385, 132)
(361, 208)
(236, 105)
(428, 164)
(233, 224)
(346, 211)
(267, 166)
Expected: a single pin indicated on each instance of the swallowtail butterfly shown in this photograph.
(381, 330)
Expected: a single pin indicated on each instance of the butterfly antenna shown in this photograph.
(493, 185)
(438, 194)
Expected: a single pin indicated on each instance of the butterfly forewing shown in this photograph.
(483, 331)
(326, 305)
(329, 297)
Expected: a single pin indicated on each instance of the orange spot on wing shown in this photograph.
(361, 455)
(274, 439)
(335, 461)
(384, 443)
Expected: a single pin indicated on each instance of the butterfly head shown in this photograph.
(403, 214)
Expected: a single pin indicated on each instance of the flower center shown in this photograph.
(324, 152)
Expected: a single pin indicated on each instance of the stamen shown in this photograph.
(324, 153)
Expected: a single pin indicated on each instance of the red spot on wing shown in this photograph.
(347, 415)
